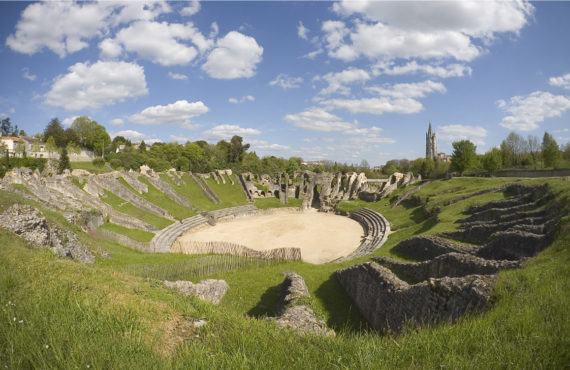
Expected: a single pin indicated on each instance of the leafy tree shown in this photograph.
(63, 161)
(22, 133)
(98, 162)
(428, 165)
(293, 165)
(236, 149)
(82, 127)
(513, 148)
(440, 168)
(464, 156)
(15, 131)
(55, 130)
(51, 146)
(492, 160)
(182, 164)
(20, 149)
(550, 150)
(73, 148)
(142, 147)
(6, 126)
(364, 164)
(416, 166)
(36, 145)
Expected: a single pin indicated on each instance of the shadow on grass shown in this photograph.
(343, 312)
(267, 304)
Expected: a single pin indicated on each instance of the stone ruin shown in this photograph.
(322, 190)
(451, 279)
(293, 315)
(209, 290)
(28, 223)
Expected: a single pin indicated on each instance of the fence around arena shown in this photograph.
(220, 247)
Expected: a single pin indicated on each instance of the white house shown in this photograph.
(9, 143)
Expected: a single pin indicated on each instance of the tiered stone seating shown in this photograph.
(233, 211)
(163, 239)
(376, 230)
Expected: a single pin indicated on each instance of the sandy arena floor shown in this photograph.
(321, 237)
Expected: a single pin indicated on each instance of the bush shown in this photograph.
(99, 162)
(115, 163)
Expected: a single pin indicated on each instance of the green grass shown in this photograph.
(135, 234)
(231, 195)
(79, 184)
(22, 187)
(94, 315)
(88, 166)
(123, 206)
(265, 203)
(160, 199)
(192, 192)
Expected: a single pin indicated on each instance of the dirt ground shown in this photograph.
(322, 237)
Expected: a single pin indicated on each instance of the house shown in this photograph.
(9, 143)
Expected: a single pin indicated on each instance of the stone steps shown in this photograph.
(376, 230)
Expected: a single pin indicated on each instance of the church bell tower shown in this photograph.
(431, 146)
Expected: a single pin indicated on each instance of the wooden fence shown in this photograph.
(218, 247)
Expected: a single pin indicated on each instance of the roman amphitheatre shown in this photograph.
(178, 264)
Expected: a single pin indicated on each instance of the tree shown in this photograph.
(55, 131)
(364, 164)
(63, 161)
(416, 166)
(463, 157)
(492, 160)
(73, 148)
(51, 145)
(36, 147)
(142, 147)
(550, 150)
(513, 148)
(82, 126)
(6, 126)
(20, 149)
(236, 149)
(427, 167)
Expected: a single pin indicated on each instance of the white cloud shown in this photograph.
(445, 71)
(27, 75)
(117, 122)
(131, 135)
(561, 81)
(96, 85)
(162, 42)
(286, 82)
(243, 99)
(475, 134)
(110, 49)
(65, 27)
(421, 29)
(527, 111)
(177, 76)
(397, 98)
(178, 113)
(367, 135)
(266, 146)
(302, 31)
(338, 81)
(180, 139)
(214, 30)
(226, 132)
(191, 9)
(235, 56)
(317, 119)
(68, 121)
(313, 54)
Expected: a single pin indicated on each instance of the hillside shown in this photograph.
(117, 314)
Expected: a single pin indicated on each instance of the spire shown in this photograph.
(429, 129)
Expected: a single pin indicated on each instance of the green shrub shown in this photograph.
(115, 163)
(99, 162)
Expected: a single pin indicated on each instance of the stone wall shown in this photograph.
(390, 304)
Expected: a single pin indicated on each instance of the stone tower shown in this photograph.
(431, 145)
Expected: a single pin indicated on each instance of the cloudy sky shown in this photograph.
(343, 81)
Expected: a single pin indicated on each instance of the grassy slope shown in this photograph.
(123, 206)
(231, 195)
(191, 191)
(264, 203)
(89, 167)
(136, 234)
(68, 303)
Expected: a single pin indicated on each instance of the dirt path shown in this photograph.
(322, 237)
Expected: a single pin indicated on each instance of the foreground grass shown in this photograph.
(136, 234)
(123, 206)
(92, 315)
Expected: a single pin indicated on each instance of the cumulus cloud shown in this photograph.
(117, 122)
(68, 121)
(397, 98)
(561, 81)
(266, 146)
(110, 49)
(475, 134)
(96, 85)
(191, 9)
(338, 81)
(424, 30)
(135, 136)
(286, 82)
(413, 67)
(243, 99)
(65, 27)
(526, 112)
(317, 119)
(235, 56)
(177, 76)
(27, 74)
(226, 132)
(162, 42)
(313, 54)
(367, 135)
(180, 139)
(302, 31)
(178, 113)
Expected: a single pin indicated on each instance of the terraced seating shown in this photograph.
(163, 239)
(233, 211)
(376, 230)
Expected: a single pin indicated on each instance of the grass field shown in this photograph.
(231, 195)
(192, 192)
(59, 313)
(136, 234)
(265, 203)
(88, 166)
(123, 206)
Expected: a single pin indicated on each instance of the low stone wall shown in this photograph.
(533, 173)
(426, 247)
(124, 240)
(220, 247)
(389, 304)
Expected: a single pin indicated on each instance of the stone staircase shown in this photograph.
(376, 230)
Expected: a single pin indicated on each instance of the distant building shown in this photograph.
(10, 143)
(431, 144)
(443, 157)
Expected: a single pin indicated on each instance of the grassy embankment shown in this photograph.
(89, 166)
(231, 195)
(74, 315)
(124, 206)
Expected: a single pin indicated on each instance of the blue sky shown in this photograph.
(343, 81)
